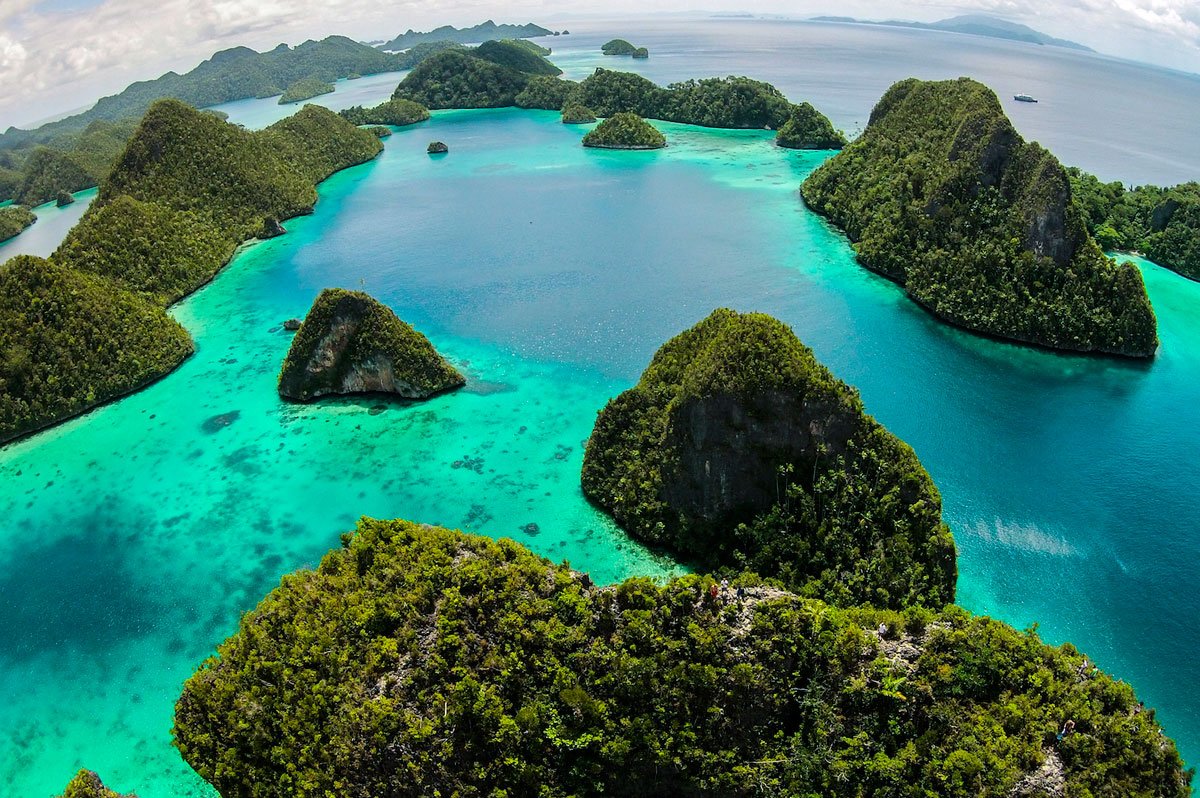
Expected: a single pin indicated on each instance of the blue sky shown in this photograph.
(59, 55)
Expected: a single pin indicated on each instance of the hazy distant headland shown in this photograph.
(974, 24)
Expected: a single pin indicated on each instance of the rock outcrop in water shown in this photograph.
(428, 662)
(941, 194)
(738, 449)
(87, 784)
(349, 343)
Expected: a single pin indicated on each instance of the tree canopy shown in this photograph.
(941, 194)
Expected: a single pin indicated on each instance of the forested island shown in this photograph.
(1161, 223)
(429, 662)
(622, 47)
(89, 324)
(486, 31)
(625, 131)
(494, 76)
(86, 784)
(305, 89)
(350, 343)
(397, 113)
(941, 194)
(14, 219)
(737, 449)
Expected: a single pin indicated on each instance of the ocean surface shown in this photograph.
(134, 537)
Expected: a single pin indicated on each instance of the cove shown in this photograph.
(136, 535)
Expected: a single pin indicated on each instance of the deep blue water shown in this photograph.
(134, 537)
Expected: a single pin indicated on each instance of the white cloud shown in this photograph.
(54, 60)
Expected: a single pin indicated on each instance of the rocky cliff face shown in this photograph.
(738, 449)
(942, 194)
(729, 448)
(351, 344)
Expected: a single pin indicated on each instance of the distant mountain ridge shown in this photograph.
(233, 74)
(974, 24)
(479, 33)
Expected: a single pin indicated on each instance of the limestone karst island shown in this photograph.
(706, 405)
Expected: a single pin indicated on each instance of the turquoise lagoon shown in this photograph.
(136, 535)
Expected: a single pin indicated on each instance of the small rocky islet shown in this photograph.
(350, 343)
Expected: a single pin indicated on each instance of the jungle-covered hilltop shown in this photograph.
(941, 194)
(89, 324)
(625, 131)
(429, 662)
(738, 449)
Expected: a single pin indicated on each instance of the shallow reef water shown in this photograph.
(135, 536)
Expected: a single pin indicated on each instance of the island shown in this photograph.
(186, 191)
(234, 74)
(430, 662)
(973, 24)
(305, 89)
(64, 199)
(397, 113)
(14, 219)
(490, 76)
(86, 784)
(640, 52)
(942, 195)
(350, 343)
(625, 131)
(486, 31)
(437, 148)
(575, 114)
(512, 75)
(737, 449)
(806, 128)
(732, 102)
(1161, 223)
(617, 47)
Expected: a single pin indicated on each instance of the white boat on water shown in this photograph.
(1025, 98)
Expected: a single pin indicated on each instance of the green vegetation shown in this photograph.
(391, 112)
(67, 163)
(63, 199)
(148, 248)
(70, 341)
(516, 57)
(418, 661)
(233, 74)
(738, 450)
(90, 324)
(641, 52)
(14, 219)
(87, 784)
(536, 49)
(546, 93)
(487, 31)
(807, 128)
(1161, 223)
(575, 114)
(617, 47)
(305, 89)
(941, 194)
(458, 79)
(350, 343)
(733, 102)
(625, 132)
